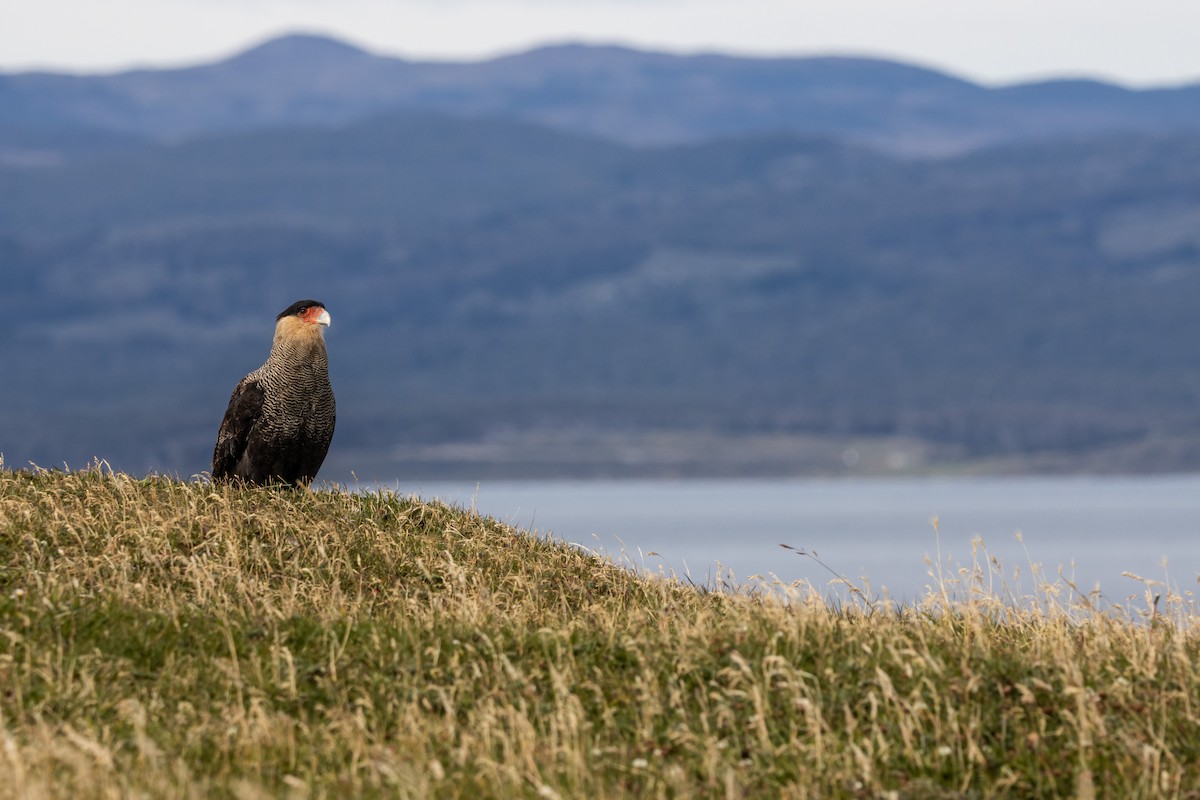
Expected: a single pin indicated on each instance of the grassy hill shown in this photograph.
(180, 639)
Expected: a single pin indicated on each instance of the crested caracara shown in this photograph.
(280, 418)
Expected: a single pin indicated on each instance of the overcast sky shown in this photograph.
(1149, 42)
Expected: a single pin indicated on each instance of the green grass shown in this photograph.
(170, 639)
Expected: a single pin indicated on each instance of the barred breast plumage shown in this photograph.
(281, 416)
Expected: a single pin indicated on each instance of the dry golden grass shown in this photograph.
(170, 639)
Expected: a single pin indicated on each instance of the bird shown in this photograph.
(281, 416)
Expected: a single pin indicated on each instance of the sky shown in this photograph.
(990, 41)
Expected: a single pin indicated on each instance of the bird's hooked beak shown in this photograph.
(321, 319)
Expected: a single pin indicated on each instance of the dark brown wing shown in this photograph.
(245, 406)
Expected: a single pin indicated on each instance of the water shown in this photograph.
(874, 531)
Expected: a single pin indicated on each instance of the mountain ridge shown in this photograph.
(687, 257)
(620, 93)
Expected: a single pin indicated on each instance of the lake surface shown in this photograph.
(878, 531)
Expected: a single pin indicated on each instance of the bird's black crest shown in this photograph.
(298, 307)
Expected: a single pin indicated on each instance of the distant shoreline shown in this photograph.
(678, 455)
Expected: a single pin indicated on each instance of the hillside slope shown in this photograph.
(185, 640)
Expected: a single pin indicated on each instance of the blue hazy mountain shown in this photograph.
(503, 268)
(610, 92)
